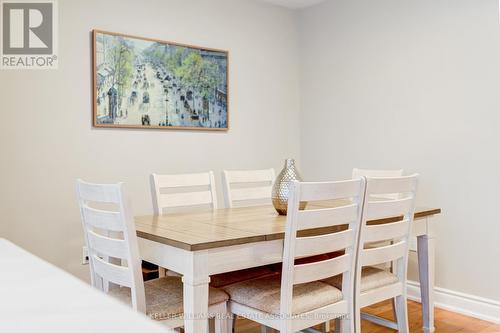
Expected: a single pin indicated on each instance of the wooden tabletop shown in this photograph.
(195, 231)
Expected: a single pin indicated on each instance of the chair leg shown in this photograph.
(357, 320)
(338, 325)
(346, 326)
(395, 315)
(325, 327)
(162, 272)
(230, 321)
(219, 318)
(402, 314)
(221, 325)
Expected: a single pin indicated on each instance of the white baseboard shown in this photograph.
(469, 305)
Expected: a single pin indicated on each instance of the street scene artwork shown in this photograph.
(145, 83)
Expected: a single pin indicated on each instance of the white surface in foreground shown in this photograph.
(36, 296)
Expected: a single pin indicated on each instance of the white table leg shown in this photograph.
(425, 248)
(196, 282)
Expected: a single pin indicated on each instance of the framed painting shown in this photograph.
(148, 83)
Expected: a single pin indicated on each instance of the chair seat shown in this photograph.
(264, 294)
(371, 278)
(164, 297)
(225, 279)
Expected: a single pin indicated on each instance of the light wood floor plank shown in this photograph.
(446, 321)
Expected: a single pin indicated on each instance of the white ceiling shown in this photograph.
(294, 3)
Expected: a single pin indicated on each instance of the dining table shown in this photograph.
(198, 244)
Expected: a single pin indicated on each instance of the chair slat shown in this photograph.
(99, 193)
(252, 193)
(259, 186)
(396, 185)
(324, 217)
(102, 219)
(315, 191)
(314, 245)
(357, 173)
(321, 270)
(113, 273)
(379, 255)
(183, 191)
(182, 180)
(388, 208)
(381, 232)
(116, 248)
(249, 176)
(185, 199)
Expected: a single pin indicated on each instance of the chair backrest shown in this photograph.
(243, 187)
(111, 239)
(392, 233)
(343, 216)
(183, 190)
(356, 173)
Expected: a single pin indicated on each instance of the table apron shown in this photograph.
(231, 258)
(219, 260)
(165, 256)
(421, 226)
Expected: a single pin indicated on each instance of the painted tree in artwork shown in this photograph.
(174, 61)
(122, 58)
(200, 75)
(208, 79)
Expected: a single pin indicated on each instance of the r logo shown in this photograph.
(28, 28)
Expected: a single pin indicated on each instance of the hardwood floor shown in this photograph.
(446, 321)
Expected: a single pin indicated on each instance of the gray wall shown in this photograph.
(46, 138)
(383, 84)
(413, 85)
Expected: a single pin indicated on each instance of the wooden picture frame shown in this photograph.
(149, 83)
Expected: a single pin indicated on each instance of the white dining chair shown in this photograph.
(243, 188)
(176, 192)
(381, 173)
(374, 284)
(115, 264)
(247, 187)
(298, 299)
(358, 173)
